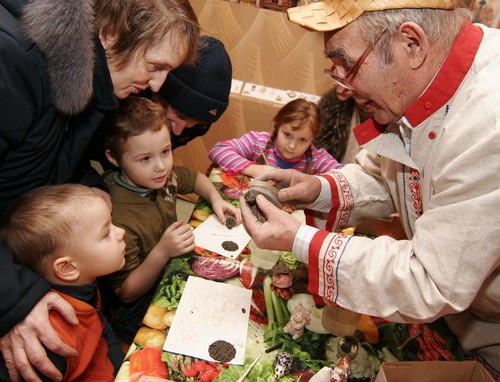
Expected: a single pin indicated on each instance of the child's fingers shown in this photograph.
(185, 236)
(229, 209)
(179, 228)
(221, 216)
(175, 225)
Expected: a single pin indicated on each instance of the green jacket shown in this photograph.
(145, 218)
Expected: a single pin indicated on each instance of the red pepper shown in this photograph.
(257, 316)
(209, 375)
(200, 366)
(432, 345)
(205, 252)
(229, 180)
(367, 326)
(258, 299)
(147, 362)
(217, 365)
(189, 371)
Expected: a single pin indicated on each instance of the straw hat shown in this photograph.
(329, 15)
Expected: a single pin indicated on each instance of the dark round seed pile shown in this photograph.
(230, 245)
(222, 351)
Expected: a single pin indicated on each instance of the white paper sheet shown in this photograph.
(212, 233)
(210, 311)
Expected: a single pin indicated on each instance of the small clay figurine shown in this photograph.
(340, 371)
(282, 281)
(301, 316)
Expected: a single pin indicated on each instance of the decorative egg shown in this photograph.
(282, 364)
(348, 346)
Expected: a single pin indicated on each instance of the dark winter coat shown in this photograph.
(55, 86)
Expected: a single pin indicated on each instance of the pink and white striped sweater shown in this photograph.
(234, 155)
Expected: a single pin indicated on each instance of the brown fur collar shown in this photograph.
(64, 32)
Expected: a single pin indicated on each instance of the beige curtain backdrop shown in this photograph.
(265, 49)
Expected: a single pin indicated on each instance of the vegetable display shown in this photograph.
(270, 313)
(147, 362)
(183, 368)
(215, 268)
(303, 350)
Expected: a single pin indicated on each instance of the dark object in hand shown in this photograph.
(250, 197)
(257, 187)
(230, 221)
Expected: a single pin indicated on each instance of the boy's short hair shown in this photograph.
(135, 116)
(40, 223)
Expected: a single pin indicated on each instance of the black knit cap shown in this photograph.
(201, 91)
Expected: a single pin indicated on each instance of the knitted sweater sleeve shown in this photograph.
(234, 155)
(323, 161)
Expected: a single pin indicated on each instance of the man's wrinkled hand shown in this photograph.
(295, 188)
(278, 229)
(22, 347)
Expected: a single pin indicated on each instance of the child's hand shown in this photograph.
(222, 208)
(178, 239)
(254, 170)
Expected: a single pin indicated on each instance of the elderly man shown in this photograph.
(430, 79)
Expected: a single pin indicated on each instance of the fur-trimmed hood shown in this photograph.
(64, 32)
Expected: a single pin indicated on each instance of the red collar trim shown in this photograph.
(443, 87)
(368, 130)
(450, 76)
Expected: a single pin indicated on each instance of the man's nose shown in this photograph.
(178, 126)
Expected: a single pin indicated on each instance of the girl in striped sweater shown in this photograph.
(296, 126)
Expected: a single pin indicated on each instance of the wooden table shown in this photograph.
(311, 351)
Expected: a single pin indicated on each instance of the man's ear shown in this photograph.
(415, 43)
(65, 269)
(111, 157)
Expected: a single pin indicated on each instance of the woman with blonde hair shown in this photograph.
(63, 65)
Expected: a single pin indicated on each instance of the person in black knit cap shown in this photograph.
(196, 96)
(193, 96)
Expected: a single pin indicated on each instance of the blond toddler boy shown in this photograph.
(65, 234)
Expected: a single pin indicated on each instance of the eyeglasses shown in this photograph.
(353, 70)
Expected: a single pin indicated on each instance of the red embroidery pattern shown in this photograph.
(347, 201)
(333, 250)
(416, 196)
(342, 202)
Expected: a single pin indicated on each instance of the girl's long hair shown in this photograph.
(298, 113)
